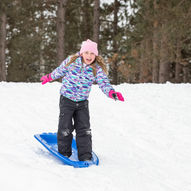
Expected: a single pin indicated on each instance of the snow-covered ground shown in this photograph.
(144, 143)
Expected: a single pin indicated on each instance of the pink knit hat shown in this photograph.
(89, 45)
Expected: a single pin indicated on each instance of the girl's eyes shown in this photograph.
(91, 53)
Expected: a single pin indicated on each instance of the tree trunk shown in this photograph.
(41, 50)
(42, 61)
(145, 62)
(178, 66)
(115, 46)
(164, 61)
(3, 21)
(142, 61)
(185, 74)
(61, 12)
(96, 21)
(87, 19)
(155, 67)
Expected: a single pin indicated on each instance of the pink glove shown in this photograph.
(116, 95)
(46, 78)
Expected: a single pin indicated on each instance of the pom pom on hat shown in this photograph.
(89, 45)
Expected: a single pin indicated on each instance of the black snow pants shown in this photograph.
(74, 115)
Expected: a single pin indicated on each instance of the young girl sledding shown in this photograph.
(79, 72)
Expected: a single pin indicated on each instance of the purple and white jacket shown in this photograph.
(78, 79)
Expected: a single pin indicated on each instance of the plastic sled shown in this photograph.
(49, 141)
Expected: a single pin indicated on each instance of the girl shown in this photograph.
(79, 72)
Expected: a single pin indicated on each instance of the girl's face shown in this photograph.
(88, 57)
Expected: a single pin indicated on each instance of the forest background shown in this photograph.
(141, 40)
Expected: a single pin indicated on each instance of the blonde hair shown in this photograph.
(98, 59)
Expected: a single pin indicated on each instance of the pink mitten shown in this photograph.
(46, 78)
(116, 95)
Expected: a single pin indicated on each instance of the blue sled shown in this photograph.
(49, 141)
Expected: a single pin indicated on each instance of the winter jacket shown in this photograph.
(78, 79)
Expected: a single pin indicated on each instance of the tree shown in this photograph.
(178, 66)
(79, 25)
(96, 21)
(167, 25)
(155, 65)
(145, 61)
(4, 11)
(24, 41)
(115, 44)
(61, 20)
(152, 38)
(3, 21)
(164, 57)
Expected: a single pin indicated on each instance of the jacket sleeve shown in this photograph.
(61, 70)
(103, 81)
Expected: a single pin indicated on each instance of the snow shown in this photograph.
(106, 1)
(144, 143)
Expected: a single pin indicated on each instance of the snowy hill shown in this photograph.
(144, 143)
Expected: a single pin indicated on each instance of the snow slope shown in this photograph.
(144, 143)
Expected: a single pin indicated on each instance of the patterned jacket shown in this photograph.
(78, 79)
